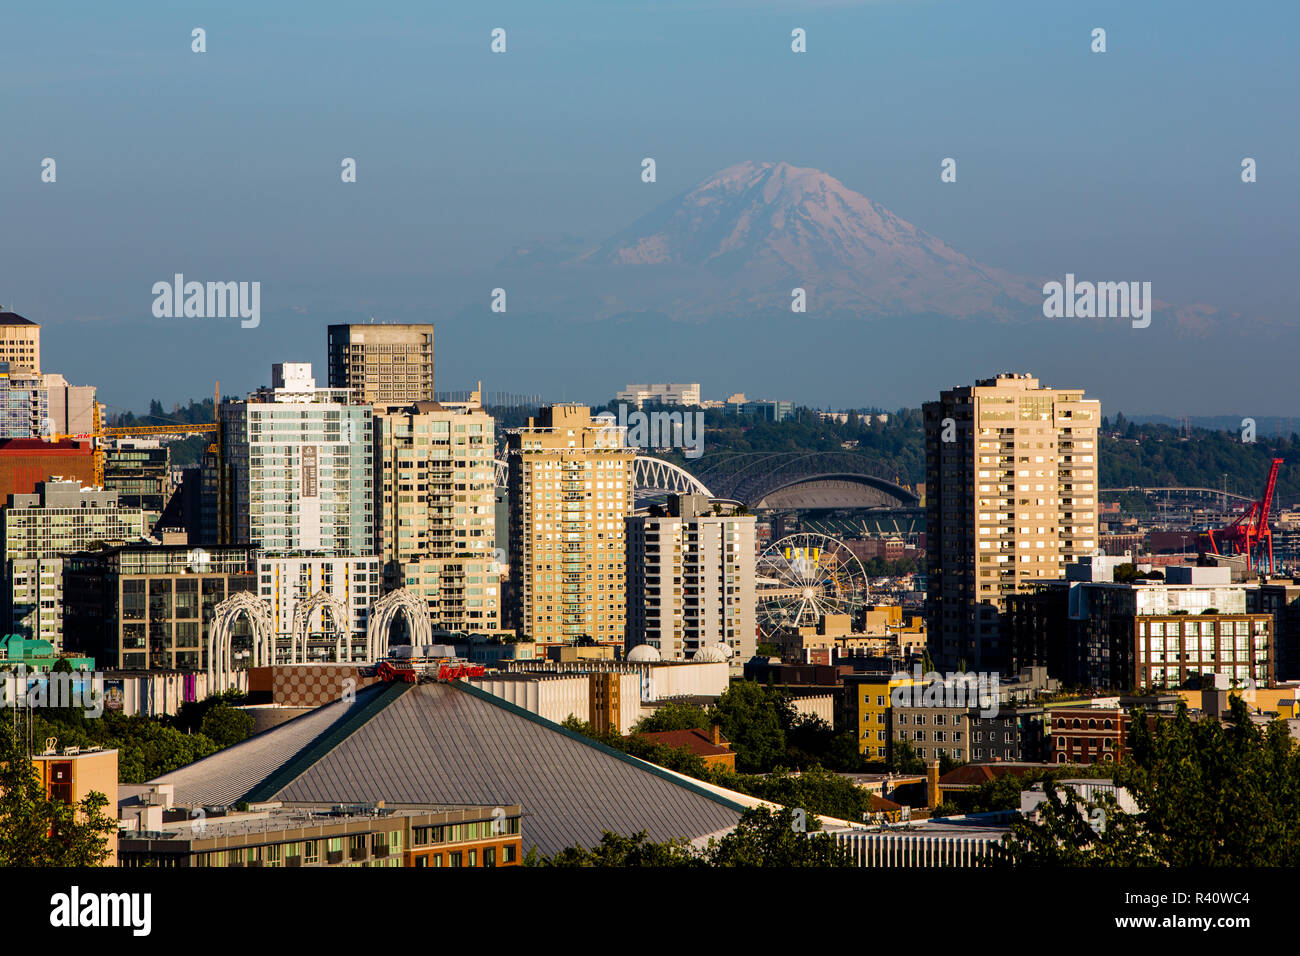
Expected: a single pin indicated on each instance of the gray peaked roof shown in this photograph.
(455, 744)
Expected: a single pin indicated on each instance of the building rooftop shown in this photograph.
(698, 742)
(293, 817)
(451, 743)
(13, 318)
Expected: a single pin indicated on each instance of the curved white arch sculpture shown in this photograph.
(384, 613)
(332, 609)
(221, 664)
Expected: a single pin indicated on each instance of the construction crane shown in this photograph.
(99, 433)
(1250, 534)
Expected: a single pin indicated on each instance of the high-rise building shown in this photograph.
(571, 487)
(20, 343)
(1011, 497)
(382, 364)
(712, 556)
(24, 404)
(299, 473)
(36, 530)
(72, 408)
(435, 508)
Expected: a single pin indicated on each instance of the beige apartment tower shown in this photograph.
(382, 364)
(571, 488)
(1011, 497)
(435, 510)
(691, 580)
(20, 343)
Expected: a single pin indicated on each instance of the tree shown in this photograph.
(615, 850)
(753, 719)
(762, 837)
(674, 715)
(1077, 832)
(1209, 793)
(782, 838)
(37, 830)
(905, 758)
(226, 726)
(813, 791)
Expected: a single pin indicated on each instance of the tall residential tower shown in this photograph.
(436, 510)
(1011, 496)
(571, 487)
(382, 364)
(299, 463)
(691, 579)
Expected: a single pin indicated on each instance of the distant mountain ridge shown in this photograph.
(746, 236)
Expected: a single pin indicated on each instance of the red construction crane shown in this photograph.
(1250, 534)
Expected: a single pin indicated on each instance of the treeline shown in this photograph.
(1148, 456)
(1208, 793)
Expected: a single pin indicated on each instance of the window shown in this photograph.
(454, 858)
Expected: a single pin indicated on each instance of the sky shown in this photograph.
(225, 166)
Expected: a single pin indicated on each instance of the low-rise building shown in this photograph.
(709, 745)
(160, 833)
(150, 607)
(934, 732)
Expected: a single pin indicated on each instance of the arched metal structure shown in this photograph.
(384, 614)
(651, 474)
(331, 608)
(221, 664)
(833, 491)
(750, 476)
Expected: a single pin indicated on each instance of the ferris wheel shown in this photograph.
(804, 577)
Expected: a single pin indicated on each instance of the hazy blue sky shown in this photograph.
(225, 166)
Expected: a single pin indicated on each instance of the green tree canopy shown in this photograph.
(226, 726)
(1208, 794)
(36, 830)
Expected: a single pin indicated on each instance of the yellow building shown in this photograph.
(20, 343)
(1011, 497)
(571, 486)
(73, 774)
(436, 509)
(869, 710)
